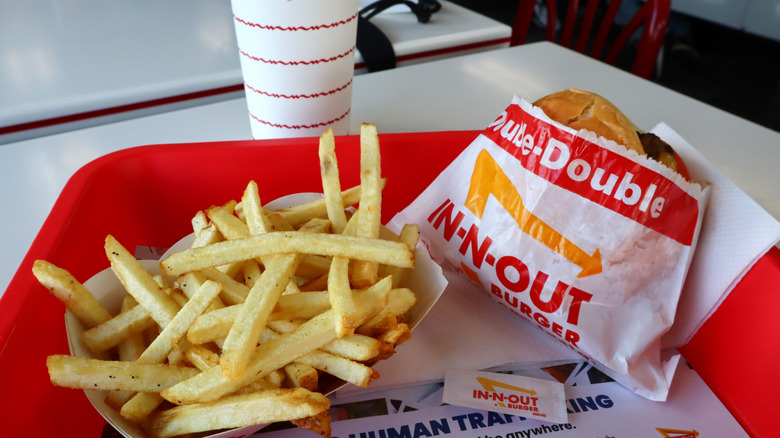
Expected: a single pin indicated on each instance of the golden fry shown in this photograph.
(107, 375)
(331, 185)
(256, 220)
(170, 335)
(251, 319)
(364, 272)
(266, 406)
(73, 294)
(277, 242)
(303, 213)
(140, 284)
(117, 329)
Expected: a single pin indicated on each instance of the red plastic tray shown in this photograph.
(147, 195)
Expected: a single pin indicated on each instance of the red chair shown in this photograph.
(653, 16)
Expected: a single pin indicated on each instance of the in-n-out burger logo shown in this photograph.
(521, 399)
(596, 173)
(515, 277)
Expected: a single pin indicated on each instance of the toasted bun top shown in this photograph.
(579, 109)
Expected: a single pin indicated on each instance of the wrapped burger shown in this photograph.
(565, 214)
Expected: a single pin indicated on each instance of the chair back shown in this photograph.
(653, 16)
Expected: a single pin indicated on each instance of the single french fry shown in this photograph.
(256, 220)
(206, 236)
(251, 271)
(191, 282)
(319, 423)
(361, 248)
(279, 223)
(400, 301)
(228, 224)
(340, 295)
(315, 284)
(277, 352)
(128, 350)
(178, 296)
(354, 347)
(233, 292)
(199, 222)
(212, 325)
(364, 272)
(201, 357)
(138, 408)
(292, 288)
(303, 213)
(397, 335)
(140, 284)
(303, 376)
(313, 266)
(205, 232)
(241, 410)
(170, 335)
(118, 329)
(276, 378)
(300, 306)
(73, 294)
(216, 324)
(257, 385)
(108, 375)
(331, 184)
(253, 315)
(410, 234)
(345, 369)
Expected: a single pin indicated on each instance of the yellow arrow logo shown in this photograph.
(678, 433)
(489, 179)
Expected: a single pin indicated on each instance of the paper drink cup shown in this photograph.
(297, 60)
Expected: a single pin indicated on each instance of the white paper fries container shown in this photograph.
(297, 60)
(426, 280)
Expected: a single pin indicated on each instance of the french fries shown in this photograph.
(247, 319)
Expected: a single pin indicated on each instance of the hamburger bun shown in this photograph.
(579, 109)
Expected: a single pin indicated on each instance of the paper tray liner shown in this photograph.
(165, 184)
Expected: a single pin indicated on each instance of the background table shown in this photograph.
(73, 64)
(418, 98)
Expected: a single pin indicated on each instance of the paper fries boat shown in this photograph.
(426, 280)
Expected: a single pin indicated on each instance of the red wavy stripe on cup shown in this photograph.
(299, 96)
(302, 62)
(295, 28)
(285, 126)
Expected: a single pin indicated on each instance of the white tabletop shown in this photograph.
(64, 58)
(461, 93)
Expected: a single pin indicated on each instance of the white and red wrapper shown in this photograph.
(587, 240)
(297, 60)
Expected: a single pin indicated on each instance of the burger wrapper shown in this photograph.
(586, 240)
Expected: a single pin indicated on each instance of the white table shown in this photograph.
(68, 65)
(462, 93)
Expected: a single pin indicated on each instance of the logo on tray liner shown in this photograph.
(518, 398)
(677, 433)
